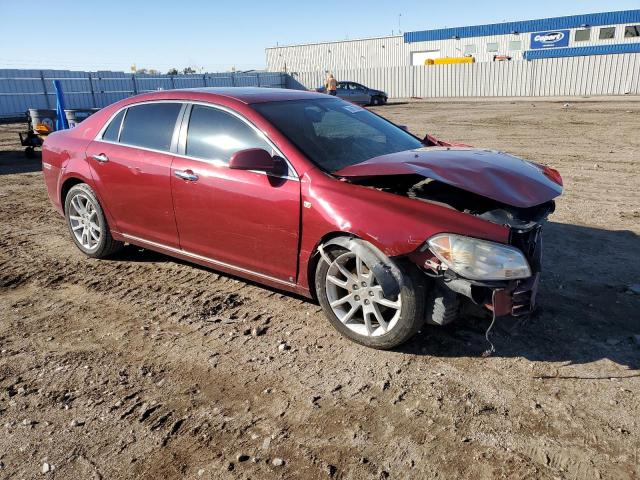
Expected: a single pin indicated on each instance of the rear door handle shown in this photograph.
(186, 175)
(102, 158)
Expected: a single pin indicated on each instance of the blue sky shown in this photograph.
(217, 35)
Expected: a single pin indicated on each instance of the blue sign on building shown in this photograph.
(551, 39)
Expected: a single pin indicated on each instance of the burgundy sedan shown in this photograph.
(308, 194)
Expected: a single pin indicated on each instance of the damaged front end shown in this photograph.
(509, 293)
(501, 278)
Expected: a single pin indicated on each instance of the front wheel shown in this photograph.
(87, 223)
(353, 300)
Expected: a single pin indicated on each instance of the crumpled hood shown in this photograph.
(492, 174)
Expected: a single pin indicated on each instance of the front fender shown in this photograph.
(394, 224)
(385, 270)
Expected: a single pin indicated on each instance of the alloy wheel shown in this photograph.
(85, 221)
(357, 299)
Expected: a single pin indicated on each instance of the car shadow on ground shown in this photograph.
(134, 253)
(12, 162)
(586, 312)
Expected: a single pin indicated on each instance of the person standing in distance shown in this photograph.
(331, 84)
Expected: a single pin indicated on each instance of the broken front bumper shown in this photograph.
(514, 297)
(517, 299)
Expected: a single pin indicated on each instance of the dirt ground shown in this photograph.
(145, 367)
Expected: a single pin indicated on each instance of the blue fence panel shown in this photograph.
(243, 80)
(220, 80)
(149, 83)
(189, 81)
(17, 105)
(24, 89)
(20, 90)
(271, 80)
(107, 98)
(75, 85)
(116, 82)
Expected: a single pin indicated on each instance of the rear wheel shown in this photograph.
(353, 300)
(87, 223)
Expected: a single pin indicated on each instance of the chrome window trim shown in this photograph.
(240, 117)
(100, 133)
(108, 124)
(177, 128)
(121, 123)
(207, 259)
(182, 124)
(165, 152)
(209, 162)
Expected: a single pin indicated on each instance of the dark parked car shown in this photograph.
(357, 93)
(310, 194)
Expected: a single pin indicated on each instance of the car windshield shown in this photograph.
(335, 134)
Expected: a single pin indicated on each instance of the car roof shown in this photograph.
(246, 95)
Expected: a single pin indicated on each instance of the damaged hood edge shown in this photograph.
(492, 174)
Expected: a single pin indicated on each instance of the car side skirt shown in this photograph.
(217, 265)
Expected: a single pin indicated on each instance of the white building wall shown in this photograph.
(617, 74)
(392, 51)
(366, 53)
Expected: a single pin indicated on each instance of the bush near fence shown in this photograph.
(24, 89)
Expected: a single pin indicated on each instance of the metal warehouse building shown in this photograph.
(609, 35)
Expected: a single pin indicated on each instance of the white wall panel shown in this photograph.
(570, 76)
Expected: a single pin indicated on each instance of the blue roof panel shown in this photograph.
(557, 23)
(582, 51)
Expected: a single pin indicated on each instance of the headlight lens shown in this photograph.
(479, 259)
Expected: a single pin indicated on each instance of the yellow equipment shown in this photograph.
(449, 61)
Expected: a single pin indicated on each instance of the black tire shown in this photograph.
(443, 306)
(106, 245)
(413, 292)
(375, 101)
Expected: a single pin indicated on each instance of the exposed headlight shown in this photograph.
(479, 259)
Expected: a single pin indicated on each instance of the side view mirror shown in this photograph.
(258, 159)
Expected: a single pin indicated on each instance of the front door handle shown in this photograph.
(102, 158)
(186, 175)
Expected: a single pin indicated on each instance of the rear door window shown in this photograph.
(150, 125)
(113, 130)
(215, 135)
